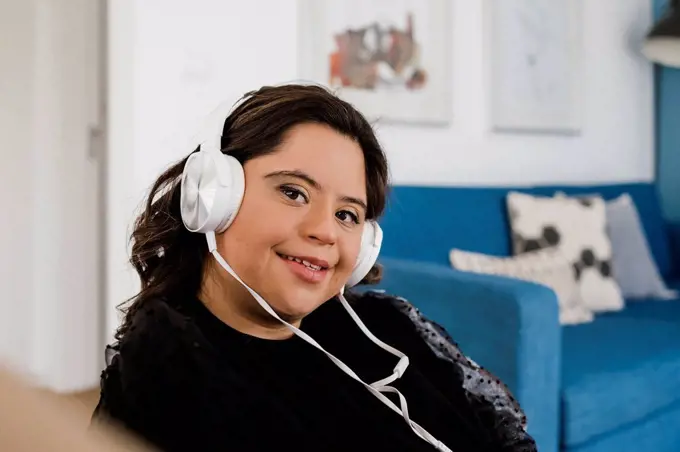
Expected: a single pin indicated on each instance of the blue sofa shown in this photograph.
(610, 385)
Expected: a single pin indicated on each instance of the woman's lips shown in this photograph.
(309, 269)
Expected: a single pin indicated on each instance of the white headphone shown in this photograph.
(212, 189)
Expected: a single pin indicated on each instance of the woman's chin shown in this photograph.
(294, 310)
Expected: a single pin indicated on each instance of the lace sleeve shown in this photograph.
(488, 395)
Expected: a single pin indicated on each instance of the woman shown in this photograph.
(248, 343)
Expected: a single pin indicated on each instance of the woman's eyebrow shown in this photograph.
(297, 174)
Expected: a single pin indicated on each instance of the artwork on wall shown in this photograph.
(535, 65)
(389, 58)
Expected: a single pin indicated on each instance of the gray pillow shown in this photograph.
(633, 265)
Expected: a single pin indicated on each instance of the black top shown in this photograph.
(186, 381)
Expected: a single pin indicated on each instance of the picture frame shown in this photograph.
(535, 54)
(391, 59)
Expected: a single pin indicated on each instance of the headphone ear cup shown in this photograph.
(212, 189)
(371, 240)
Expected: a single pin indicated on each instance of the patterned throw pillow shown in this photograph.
(547, 267)
(633, 264)
(578, 228)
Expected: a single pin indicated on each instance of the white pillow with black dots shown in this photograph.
(577, 227)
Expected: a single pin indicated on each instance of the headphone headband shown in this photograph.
(213, 186)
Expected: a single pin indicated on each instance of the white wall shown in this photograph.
(16, 307)
(50, 325)
(172, 61)
(617, 135)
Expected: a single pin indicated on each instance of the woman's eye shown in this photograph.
(294, 194)
(347, 216)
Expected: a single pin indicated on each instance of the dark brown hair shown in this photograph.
(168, 258)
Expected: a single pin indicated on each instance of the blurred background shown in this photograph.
(97, 97)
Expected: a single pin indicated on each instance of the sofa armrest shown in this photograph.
(509, 326)
(674, 239)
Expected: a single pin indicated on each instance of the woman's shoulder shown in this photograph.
(400, 313)
(161, 346)
(379, 303)
(485, 390)
(157, 375)
(156, 330)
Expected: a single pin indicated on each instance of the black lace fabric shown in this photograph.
(485, 391)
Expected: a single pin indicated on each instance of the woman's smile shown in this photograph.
(308, 269)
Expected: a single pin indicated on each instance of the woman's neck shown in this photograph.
(230, 302)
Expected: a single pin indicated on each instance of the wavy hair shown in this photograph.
(168, 258)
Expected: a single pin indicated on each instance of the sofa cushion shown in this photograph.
(617, 370)
(577, 227)
(547, 266)
(655, 308)
(657, 432)
(423, 223)
(647, 202)
(633, 264)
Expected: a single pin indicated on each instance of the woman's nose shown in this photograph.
(320, 225)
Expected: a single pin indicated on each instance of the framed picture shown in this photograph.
(535, 65)
(389, 58)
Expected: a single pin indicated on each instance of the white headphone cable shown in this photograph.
(376, 388)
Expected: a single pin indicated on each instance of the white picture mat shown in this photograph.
(535, 65)
(319, 19)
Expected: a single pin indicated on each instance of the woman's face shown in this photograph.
(297, 235)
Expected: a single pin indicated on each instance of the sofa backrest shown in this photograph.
(424, 223)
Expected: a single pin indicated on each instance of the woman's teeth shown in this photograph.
(303, 262)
